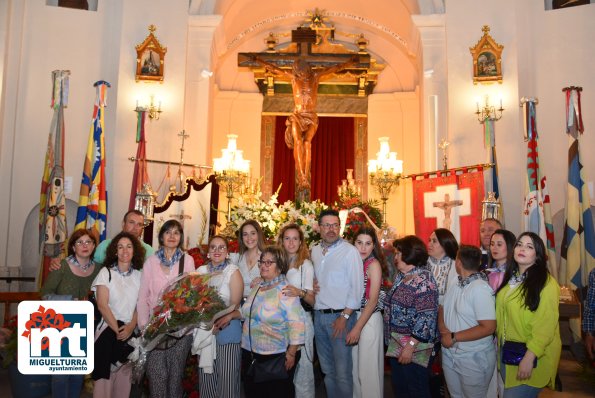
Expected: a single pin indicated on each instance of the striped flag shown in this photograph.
(53, 231)
(140, 175)
(578, 245)
(489, 132)
(536, 208)
(92, 210)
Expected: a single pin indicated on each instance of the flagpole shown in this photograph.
(53, 231)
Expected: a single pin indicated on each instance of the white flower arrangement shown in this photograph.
(272, 217)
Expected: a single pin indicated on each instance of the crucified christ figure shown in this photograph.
(303, 122)
(447, 206)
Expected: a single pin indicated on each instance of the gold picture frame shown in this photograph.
(487, 59)
(150, 58)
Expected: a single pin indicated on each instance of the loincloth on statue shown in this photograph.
(303, 121)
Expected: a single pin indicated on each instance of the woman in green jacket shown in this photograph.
(527, 312)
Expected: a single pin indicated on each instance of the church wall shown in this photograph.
(396, 115)
(93, 46)
(537, 48)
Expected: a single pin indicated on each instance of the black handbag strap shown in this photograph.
(181, 264)
(250, 322)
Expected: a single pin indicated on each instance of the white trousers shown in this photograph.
(468, 374)
(303, 378)
(368, 360)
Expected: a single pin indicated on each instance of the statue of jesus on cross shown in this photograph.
(303, 122)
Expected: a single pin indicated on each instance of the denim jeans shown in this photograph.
(521, 391)
(334, 355)
(67, 386)
(409, 381)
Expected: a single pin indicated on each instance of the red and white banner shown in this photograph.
(451, 201)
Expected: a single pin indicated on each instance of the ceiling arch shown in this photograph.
(388, 26)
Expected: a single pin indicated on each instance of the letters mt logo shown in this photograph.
(55, 337)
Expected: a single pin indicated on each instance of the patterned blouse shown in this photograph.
(275, 322)
(411, 306)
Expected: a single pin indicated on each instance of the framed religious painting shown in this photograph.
(150, 58)
(487, 59)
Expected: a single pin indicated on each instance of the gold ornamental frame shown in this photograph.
(150, 58)
(487, 59)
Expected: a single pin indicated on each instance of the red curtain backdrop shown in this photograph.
(333, 152)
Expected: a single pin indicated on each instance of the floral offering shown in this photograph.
(186, 303)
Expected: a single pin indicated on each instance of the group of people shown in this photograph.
(446, 301)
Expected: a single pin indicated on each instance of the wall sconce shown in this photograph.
(488, 112)
(154, 111)
(205, 73)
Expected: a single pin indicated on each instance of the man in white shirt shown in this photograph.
(339, 272)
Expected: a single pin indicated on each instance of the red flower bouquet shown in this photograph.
(188, 302)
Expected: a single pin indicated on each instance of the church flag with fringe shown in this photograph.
(449, 199)
(578, 244)
(53, 231)
(140, 175)
(537, 215)
(92, 206)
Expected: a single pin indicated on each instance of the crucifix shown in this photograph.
(447, 206)
(305, 69)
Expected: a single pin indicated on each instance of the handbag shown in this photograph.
(422, 352)
(262, 368)
(513, 352)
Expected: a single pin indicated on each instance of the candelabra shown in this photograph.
(488, 111)
(385, 172)
(231, 171)
(349, 187)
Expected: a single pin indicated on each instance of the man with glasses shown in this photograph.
(339, 272)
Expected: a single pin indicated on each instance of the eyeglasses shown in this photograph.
(84, 242)
(267, 263)
(330, 226)
(220, 248)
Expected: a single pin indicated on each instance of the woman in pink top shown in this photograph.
(165, 366)
(501, 253)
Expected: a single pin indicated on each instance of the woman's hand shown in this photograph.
(125, 331)
(526, 366)
(352, 337)
(406, 354)
(289, 360)
(292, 291)
(222, 323)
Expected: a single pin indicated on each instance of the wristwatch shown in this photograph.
(453, 338)
(345, 315)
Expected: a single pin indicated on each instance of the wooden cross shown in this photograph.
(303, 37)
